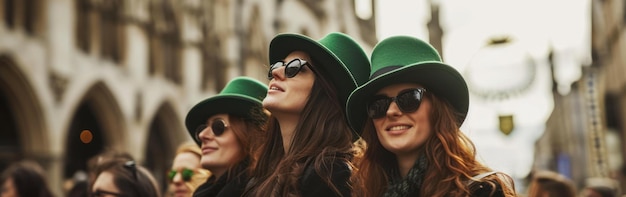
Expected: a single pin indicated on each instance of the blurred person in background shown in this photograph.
(226, 126)
(550, 184)
(186, 173)
(80, 189)
(78, 185)
(24, 179)
(103, 157)
(121, 177)
(600, 187)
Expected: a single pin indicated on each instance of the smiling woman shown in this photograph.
(410, 112)
(226, 126)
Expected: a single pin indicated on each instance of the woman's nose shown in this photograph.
(393, 109)
(206, 134)
(278, 73)
(178, 178)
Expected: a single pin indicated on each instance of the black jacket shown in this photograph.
(484, 189)
(311, 184)
(225, 186)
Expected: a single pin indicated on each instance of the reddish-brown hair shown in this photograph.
(450, 155)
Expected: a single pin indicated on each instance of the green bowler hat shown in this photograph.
(241, 96)
(337, 54)
(405, 59)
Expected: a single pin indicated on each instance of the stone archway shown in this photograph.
(100, 116)
(163, 139)
(24, 132)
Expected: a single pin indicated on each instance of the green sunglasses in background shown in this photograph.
(185, 173)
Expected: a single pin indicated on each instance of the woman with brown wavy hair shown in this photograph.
(308, 148)
(410, 112)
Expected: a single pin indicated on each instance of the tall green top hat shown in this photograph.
(404, 59)
(241, 96)
(336, 54)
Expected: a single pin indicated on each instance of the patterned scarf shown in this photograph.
(398, 187)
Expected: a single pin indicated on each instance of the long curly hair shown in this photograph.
(450, 156)
(321, 137)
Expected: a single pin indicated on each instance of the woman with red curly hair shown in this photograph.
(410, 112)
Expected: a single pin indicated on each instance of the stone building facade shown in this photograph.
(127, 71)
(586, 132)
(609, 47)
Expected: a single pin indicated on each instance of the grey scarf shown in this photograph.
(398, 187)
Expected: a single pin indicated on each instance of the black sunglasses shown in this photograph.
(185, 173)
(291, 69)
(218, 126)
(408, 101)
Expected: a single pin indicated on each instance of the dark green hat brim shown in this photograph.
(326, 61)
(235, 104)
(438, 78)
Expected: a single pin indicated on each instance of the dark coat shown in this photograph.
(311, 184)
(484, 189)
(225, 186)
(479, 189)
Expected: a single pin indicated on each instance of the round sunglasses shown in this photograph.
(291, 69)
(407, 100)
(185, 173)
(218, 126)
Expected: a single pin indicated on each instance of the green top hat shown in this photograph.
(337, 54)
(404, 59)
(240, 96)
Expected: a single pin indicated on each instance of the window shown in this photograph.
(165, 43)
(22, 14)
(9, 13)
(83, 29)
(31, 12)
(111, 29)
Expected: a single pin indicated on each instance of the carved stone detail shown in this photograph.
(58, 85)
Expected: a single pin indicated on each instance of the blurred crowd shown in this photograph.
(115, 173)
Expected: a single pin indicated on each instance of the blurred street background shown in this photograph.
(547, 78)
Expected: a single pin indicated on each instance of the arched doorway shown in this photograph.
(23, 131)
(81, 149)
(96, 126)
(163, 138)
(10, 150)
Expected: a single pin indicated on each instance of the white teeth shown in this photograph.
(273, 88)
(394, 128)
